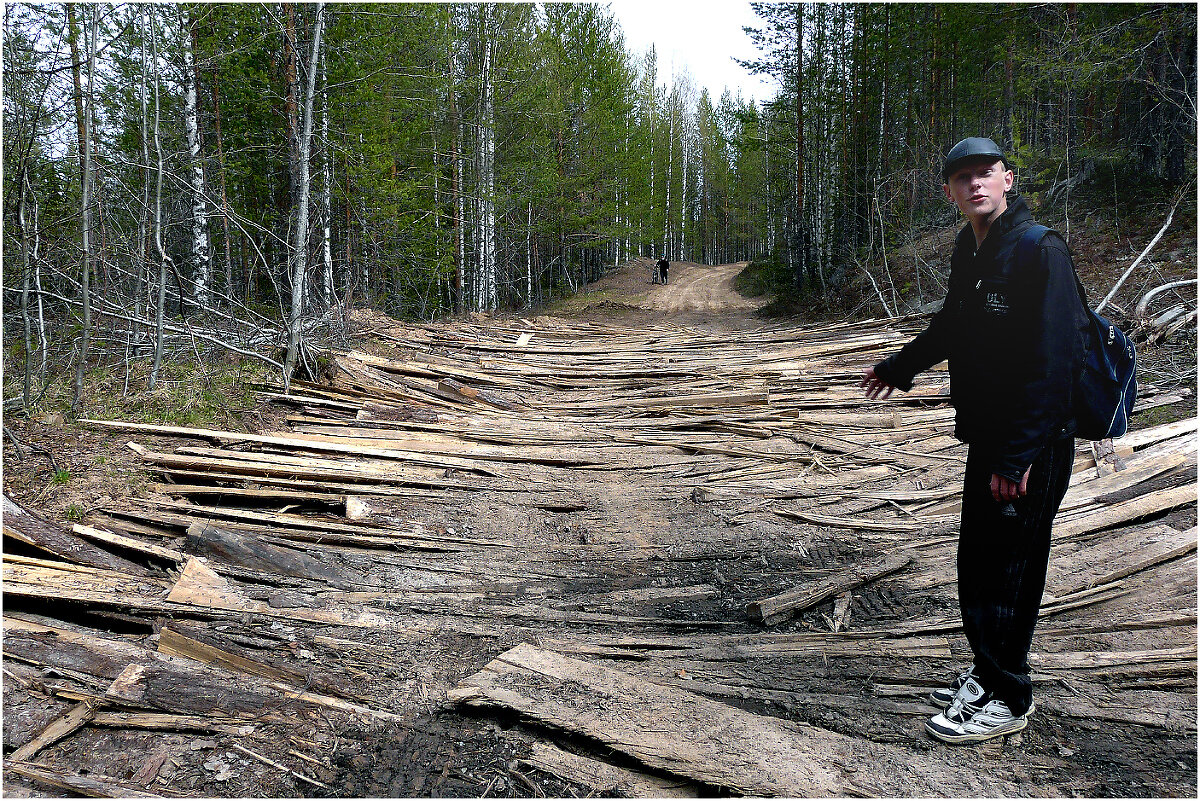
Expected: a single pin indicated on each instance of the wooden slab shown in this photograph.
(780, 607)
(704, 740)
(605, 779)
(1124, 511)
(29, 528)
(1113, 558)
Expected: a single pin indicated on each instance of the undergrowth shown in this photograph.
(185, 394)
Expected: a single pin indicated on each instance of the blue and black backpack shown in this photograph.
(1107, 387)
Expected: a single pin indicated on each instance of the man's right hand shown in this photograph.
(875, 386)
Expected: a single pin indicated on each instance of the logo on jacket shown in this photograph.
(995, 301)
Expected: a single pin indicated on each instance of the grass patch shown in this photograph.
(1161, 415)
(185, 395)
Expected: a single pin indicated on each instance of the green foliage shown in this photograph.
(61, 477)
(762, 277)
(503, 153)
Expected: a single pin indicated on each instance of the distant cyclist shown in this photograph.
(663, 265)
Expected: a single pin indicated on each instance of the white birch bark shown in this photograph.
(327, 194)
(685, 199)
(480, 270)
(201, 260)
(626, 252)
(43, 339)
(670, 172)
(460, 233)
(650, 206)
(529, 257)
(300, 232)
(487, 149)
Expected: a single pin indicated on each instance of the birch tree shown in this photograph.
(299, 252)
(200, 258)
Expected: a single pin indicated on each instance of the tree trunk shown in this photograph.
(800, 228)
(456, 186)
(300, 231)
(529, 257)
(327, 194)
(216, 102)
(163, 259)
(26, 276)
(43, 340)
(85, 277)
(487, 134)
(666, 243)
(201, 260)
(143, 242)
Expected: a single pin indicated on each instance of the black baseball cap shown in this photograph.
(971, 148)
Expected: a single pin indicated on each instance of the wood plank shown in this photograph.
(31, 529)
(1139, 468)
(289, 442)
(165, 721)
(460, 390)
(1113, 558)
(783, 606)
(1125, 511)
(236, 548)
(175, 643)
(866, 524)
(253, 493)
(92, 785)
(199, 585)
(704, 740)
(62, 726)
(132, 543)
(1172, 711)
(606, 780)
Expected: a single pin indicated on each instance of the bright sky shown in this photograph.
(702, 37)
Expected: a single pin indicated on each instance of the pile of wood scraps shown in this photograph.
(670, 542)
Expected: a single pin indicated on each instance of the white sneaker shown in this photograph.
(974, 716)
(944, 696)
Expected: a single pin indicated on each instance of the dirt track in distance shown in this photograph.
(698, 287)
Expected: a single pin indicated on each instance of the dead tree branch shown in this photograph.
(1112, 292)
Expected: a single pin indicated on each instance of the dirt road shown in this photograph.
(695, 287)
(521, 557)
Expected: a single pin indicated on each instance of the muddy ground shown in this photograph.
(439, 750)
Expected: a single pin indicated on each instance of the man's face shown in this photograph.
(978, 188)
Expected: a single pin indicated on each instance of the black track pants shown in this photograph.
(1002, 558)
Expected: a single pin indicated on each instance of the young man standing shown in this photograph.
(1013, 332)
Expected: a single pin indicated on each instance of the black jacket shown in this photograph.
(1014, 337)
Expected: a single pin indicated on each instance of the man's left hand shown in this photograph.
(1005, 490)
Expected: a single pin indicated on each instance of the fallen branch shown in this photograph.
(780, 607)
(18, 445)
(1144, 304)
(274, 764)
(1138, 260)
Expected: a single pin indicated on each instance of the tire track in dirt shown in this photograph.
(699, 287)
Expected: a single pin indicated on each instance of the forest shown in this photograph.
(198, 180)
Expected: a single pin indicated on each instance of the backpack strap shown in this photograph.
(1027, 251)
(1027, 246)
